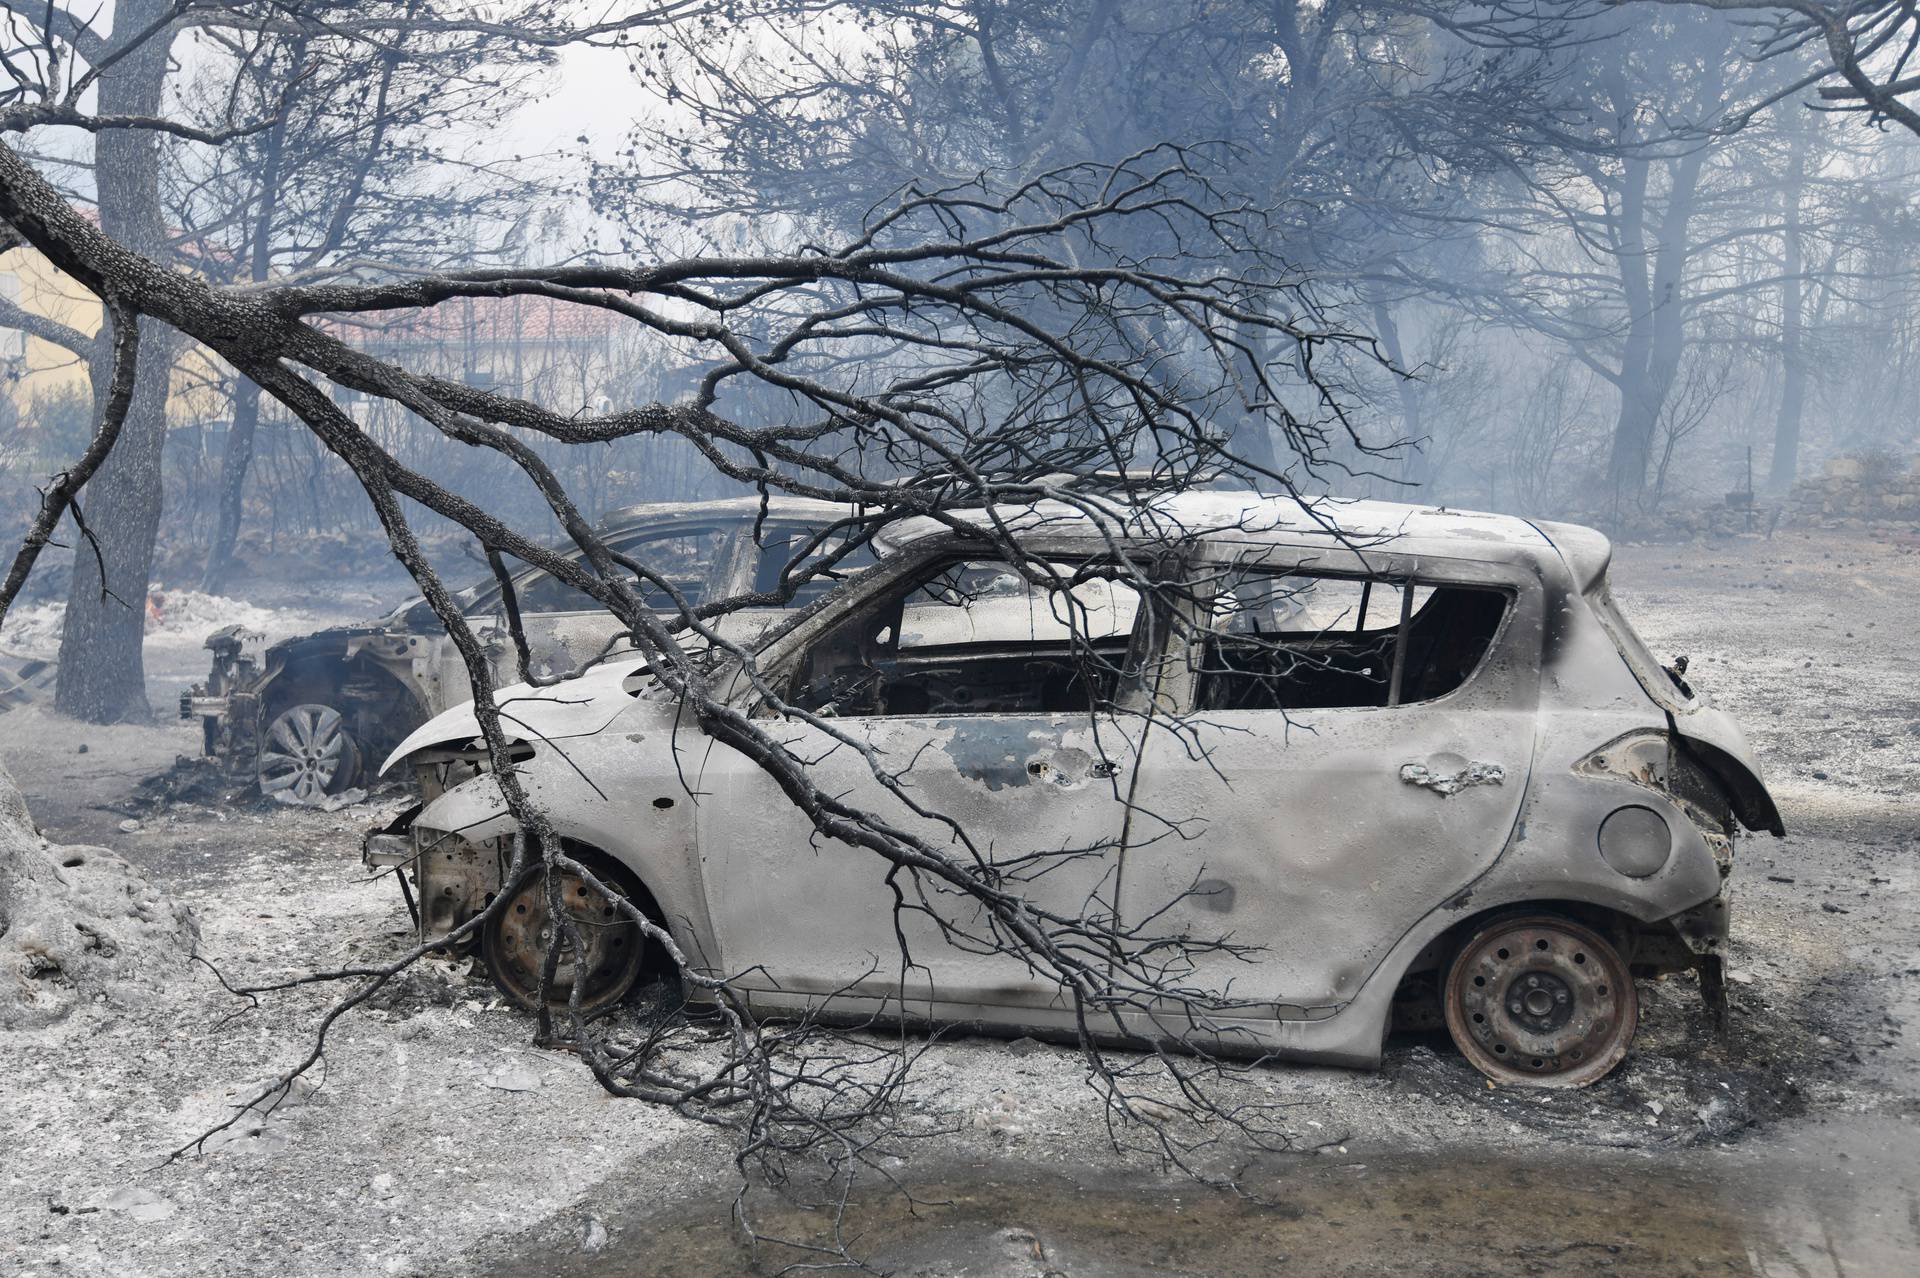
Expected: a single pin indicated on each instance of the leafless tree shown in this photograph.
(354, 164)
(1363, 126)
(1861, 52)
(969, 346)
(105, 71)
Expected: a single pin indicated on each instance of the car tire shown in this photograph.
(1538, 1000)
(514, 941)
(307, 755)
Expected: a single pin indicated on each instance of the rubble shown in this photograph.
(77, 924)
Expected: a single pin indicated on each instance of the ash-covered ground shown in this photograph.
(438, 1141)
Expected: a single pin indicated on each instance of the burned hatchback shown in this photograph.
(307, 717)
(1405, 758)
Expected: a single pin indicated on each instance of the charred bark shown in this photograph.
(102, 675)
(1785, 464)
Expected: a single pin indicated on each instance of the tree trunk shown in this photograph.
(1657, 326)
(1416, 462)
(1785, 466)
(236, 460)
(102, 678)
(1633, 428)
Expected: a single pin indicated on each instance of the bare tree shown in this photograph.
(1868, 46)
(970, 346)
(61, 58)
(354, 165)
(1363, 126)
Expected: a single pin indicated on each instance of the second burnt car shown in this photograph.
(307, 717)
(1414, 763)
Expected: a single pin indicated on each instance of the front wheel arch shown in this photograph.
(604, 865)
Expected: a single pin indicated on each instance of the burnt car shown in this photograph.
(307, 716)
(1413, 762)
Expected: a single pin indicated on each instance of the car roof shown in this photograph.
(1249, 517)
(724, 510)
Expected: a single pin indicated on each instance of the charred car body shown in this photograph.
(307, 716)
(1420, 760)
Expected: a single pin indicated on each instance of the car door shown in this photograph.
(1355, 754)
(992, 708)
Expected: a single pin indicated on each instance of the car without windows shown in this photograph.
(308, 715)
(1415, 757)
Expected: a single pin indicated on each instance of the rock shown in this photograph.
(382, 1185)
(1154, 1111)
(514, 1078)
(130, 826)
(82, 749)
(140, 1204)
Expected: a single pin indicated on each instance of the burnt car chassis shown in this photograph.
(309, 717)
(1550, 812)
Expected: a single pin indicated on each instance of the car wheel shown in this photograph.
(307, 754)
(514, 945)
(1541, 1001)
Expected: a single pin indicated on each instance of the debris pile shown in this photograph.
(1737, 513)
(77, 924)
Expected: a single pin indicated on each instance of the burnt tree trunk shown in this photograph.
(236, 460)
(102, 677)
(1654, 280)
(1785, 466)
(1415, 463)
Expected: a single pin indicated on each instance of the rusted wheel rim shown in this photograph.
(307, 753)
(517, 940)
(1541, 1001)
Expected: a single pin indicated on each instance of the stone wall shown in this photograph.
(1877, 490)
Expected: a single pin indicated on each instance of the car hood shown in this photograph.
(575, 707)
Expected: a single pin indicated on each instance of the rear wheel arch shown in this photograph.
(322, 676)
(1617, 926)
(1417, 989)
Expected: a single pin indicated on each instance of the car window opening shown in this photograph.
(1301, 642)
(976, 637)
(803, 555)
(682, 558)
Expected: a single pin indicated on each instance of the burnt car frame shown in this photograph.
(1469, 793)
(307, 716)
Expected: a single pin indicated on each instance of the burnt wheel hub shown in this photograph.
(1541, 1000)
(307, 754)
(595, 938)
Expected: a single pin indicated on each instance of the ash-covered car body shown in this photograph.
(1415, 757)
(309, 716)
